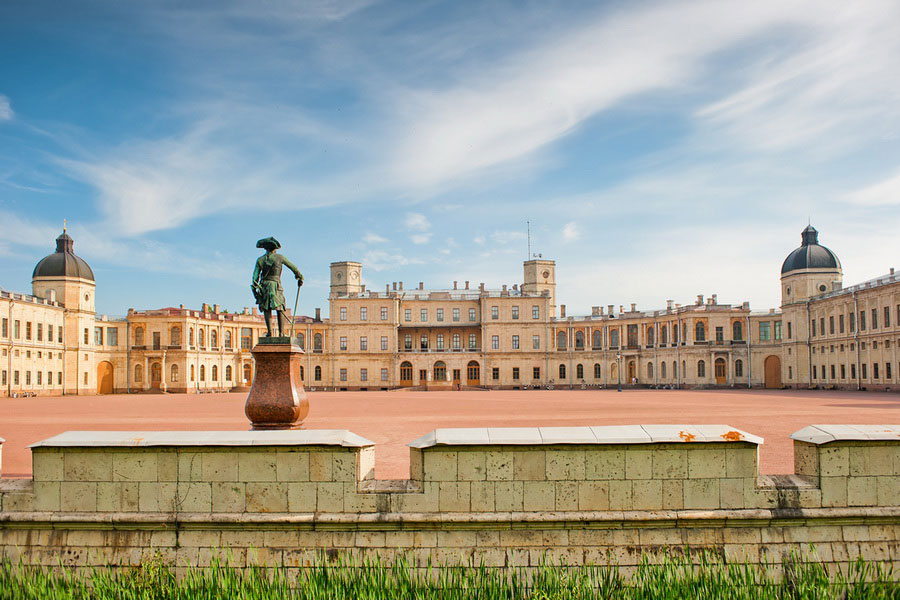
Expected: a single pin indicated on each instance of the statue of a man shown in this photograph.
(266, 284)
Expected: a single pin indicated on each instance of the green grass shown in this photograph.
(676, 577)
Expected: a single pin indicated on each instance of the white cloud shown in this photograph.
(883, 193)
(479, 239)
(381, 260)
(506, 237)
(6, 111)
(374, 238)
(417, 222)
(570, 232)
(420, 238)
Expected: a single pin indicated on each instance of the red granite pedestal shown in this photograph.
(277, 399)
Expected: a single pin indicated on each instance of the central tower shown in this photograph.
(540, 279)
(346, 278)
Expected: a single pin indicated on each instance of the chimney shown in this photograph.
(362, 287)
(467, 285)
(318, 314)
(504, 289)
(610, 309)
(421, 285)
(387, 289)
(892, 270)
(595, 311)
(255, 311)
(621, 309)
(709, 301)
(715, 298)
(771, 311)
(216, 308)
(562, 311)
(515, 287)
(745, 306)
(677, 305)
(699, 299)
(633, 307)
(400, 284)
(669, 304)
(246, 310)
(181, 306)
(454, 285)
(395, 286)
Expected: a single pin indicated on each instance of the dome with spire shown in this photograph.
(64, 262)
(810, 255)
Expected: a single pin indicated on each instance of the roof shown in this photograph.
(64, 262)
(810, 254)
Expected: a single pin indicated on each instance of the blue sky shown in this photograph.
(659, 149)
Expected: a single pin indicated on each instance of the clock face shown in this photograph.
(546, 274)
(353, 274)
(339, 276)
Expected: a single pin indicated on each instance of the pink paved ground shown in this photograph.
(391, 419)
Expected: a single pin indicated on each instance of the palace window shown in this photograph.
(407, 341)
(214, 338)
(875, 321)
(473, 341)
(138, 373)
(317, 373)
(363, 313)
(862, 322)
(598, 339)
(317, 342)
(495, 373)
(40, 332)
(737, 331)
(831, 324)
(738, 368)
(174, 373)
(561, 340)
(28, 331)
(343, 313)
(596, 370)
(700, 332)
(455, 341)
(384, 313)
(98, 336)
(515, 342)
(384, 342)
(613, 338)
(343, 374)
(456, 314)
(579, 371)
(515, 312)
(229, 372)
(701, 368)
(536, 342)
(515, 373)
(662, 370)
(440, 341)
(495, 312)
(579, 340)
(562, 371)
(343, 342)
(407, 314)
(384, 374)
(663, 335)
(472, 314)
(887, 319)
(777, 330)
(720, 334)
(650, 370)
(495, 342)
(764, 333)
(175, 336)
(4, 330)
(536, 312)
(363, 374)
(536, 373)
(363, 343)
(440, 314)
(423, 342)
(202, 372)
(423, 314)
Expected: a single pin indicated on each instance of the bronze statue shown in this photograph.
(266, 284)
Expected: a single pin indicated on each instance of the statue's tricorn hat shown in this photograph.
(268, 243)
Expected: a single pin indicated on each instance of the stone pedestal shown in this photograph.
(277, 399)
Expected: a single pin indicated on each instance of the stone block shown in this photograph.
(229, 496)
(87, 466)
(78, 496)
(871, 460)
(194, 496)
(343, 466)
(806, 459)
(670, 463)
(499, 465)
(673, 494)
(593, 495)
(701, 493)
(219, 466)
(426, 501)
(834, 491)
(742, 535)
(482, 496)
(706, 463)
(134, 466)
(638, 464)
(440, 465)
(530, 465)
(539, 495)
(888, 490)
(565, 465)
(370, 539)
(834, 461)
(731, 493)
(454, 496)
(620, 497)
(46, 495)
(509, 495)
(330, 496)
(302, 497)
(118, 496)
(647, 494)
(266, 497)
(355, 502)
(190, 466)
(47, 465)
(157, 497)
(321, 466)
(365, 460)
(257, 466)
(166, 466)
(292, 466)
(416, 464)
(862, 491)
(741, 462)
(472, 466)
(456, 539)
(567, 495)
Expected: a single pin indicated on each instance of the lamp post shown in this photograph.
(619, 371)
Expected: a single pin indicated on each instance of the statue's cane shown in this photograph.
(294, 314)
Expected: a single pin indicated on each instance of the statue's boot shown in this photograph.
(282, 323)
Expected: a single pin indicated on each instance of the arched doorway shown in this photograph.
(248, 375)
(720, 371)
(440, 371)
(473, 373)
(105, 378)
(406, 373)
(773, 372)
(155, 375)
(632, 372)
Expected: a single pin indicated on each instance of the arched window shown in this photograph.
(317, 342)
(406, 371)
(201, 338)
(579, 340)
(138, 336)
(701, 368)
(301, 341)
(579, 371)
(191, 336)
(228, 339)
(596, 370)
(440, 371)
(737, 331)
(561, 340)
(174, 375)
(662, 370)
(700, 332)
(650, 370)
(175, 336)
(214, 338)
(228, 372)
(613, 338)
(598, 339)
(738, 368)
(215, 372)
(650, 335)
(318, 373)
(192, 372)
(562, 371)
(138, 373)
(247, 373)
(663, 335)
(202, 372)
(473, 371)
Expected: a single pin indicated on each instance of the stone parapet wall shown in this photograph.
(507, 497)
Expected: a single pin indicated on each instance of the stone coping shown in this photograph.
(102, 439)
(604, 434)
(823, 434)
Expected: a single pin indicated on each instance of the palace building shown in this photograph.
(517, 336)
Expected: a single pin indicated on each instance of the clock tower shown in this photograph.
(346, 278)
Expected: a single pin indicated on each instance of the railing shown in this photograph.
(437, 350)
